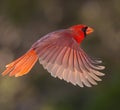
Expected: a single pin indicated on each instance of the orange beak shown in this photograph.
(89, 30)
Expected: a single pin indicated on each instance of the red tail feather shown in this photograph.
(22, 65)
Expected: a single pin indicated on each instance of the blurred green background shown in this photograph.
(22, 22)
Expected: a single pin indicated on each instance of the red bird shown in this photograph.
(59, 52)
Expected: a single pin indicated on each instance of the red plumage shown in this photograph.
(59, 52)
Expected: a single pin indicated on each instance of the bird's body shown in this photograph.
(59, 52)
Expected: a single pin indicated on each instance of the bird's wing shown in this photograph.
(64, 58)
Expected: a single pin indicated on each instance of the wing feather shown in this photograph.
(49, 55)
(64, 59)
(89, 71)
(71, 61)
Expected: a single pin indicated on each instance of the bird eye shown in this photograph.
(84, 29)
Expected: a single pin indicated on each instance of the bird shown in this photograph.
(61, 55)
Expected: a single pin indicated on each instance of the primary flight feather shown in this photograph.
(59, 52)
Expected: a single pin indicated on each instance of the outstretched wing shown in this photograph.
(64, 58)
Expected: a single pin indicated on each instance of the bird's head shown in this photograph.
(81, 31)
(82, 28)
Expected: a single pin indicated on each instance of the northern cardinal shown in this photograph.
(59, 52)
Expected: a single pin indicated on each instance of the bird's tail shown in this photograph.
(22, 65)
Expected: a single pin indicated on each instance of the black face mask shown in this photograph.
(84, 29)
